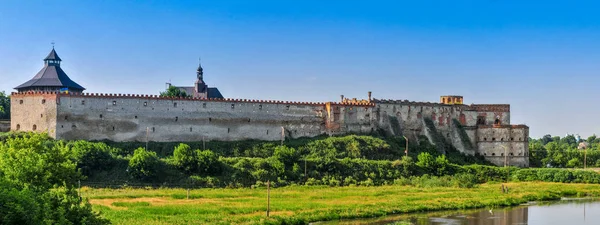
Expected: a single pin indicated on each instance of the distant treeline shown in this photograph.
(563, 152)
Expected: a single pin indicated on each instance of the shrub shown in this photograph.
(91, 156)
(185, 159)
(143, 165)
(208, 162)
(465, 180)
(426, 161)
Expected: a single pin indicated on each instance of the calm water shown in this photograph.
(564, 212)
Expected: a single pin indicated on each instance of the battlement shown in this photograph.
(158, 97)
(489, 107)
(516, 126)
(412, 103)
(472, 107)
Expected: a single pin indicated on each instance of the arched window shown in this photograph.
(18, 126)
(34, 127)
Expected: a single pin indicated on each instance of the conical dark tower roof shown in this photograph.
(50, 78)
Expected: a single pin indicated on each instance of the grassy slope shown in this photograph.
(302, 204)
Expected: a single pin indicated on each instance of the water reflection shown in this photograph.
(569, 211)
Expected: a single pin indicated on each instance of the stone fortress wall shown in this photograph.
(4, 125)
(473, 129)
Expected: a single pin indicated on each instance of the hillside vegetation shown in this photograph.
(335, 161)
(39, 177)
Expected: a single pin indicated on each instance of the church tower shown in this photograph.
(200, 88)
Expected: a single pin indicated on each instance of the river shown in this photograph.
(564, 212)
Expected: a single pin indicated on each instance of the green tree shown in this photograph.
(34, 161)
(144, 164)
(185, 159)
(37, 183)
(91, 156)
(208, 162)
(173, 91)
(4, 106)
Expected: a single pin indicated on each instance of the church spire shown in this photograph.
(199, 71)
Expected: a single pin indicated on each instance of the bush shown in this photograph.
(465, 180)
(143, 165)
(185, 159)
(91, 156)
(208, 162)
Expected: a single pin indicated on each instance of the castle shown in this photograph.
(40, 105)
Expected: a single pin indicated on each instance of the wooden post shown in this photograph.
(585, 159)
(282, 135)
(268, 196)
(305, 176)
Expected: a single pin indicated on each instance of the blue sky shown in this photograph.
(541, 57)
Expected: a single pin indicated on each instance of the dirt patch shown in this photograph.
(152, 201)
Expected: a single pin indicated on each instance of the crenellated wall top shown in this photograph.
(472, 107)
(514, 126)
(158, 97)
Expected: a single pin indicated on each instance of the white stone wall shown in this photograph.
(4, 125)
(141, 118)
(129, 119)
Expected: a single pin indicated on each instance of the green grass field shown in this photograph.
(302, 204)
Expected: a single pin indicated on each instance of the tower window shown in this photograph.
(20, 101)
(18, 126)
(287, 107)
(175, 104)
(176, 119)
(232, 106)
(34, 127)
(203, 105)
(114, 102)
(259, 107)
(41, 115)
(153, 129)
(43, 101)
(100, 116)
(145, 103)
(82, 102)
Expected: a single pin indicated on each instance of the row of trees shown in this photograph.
(566, 152)
(347, 160)
(4, 106)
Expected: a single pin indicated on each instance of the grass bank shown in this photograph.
(303, 204)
